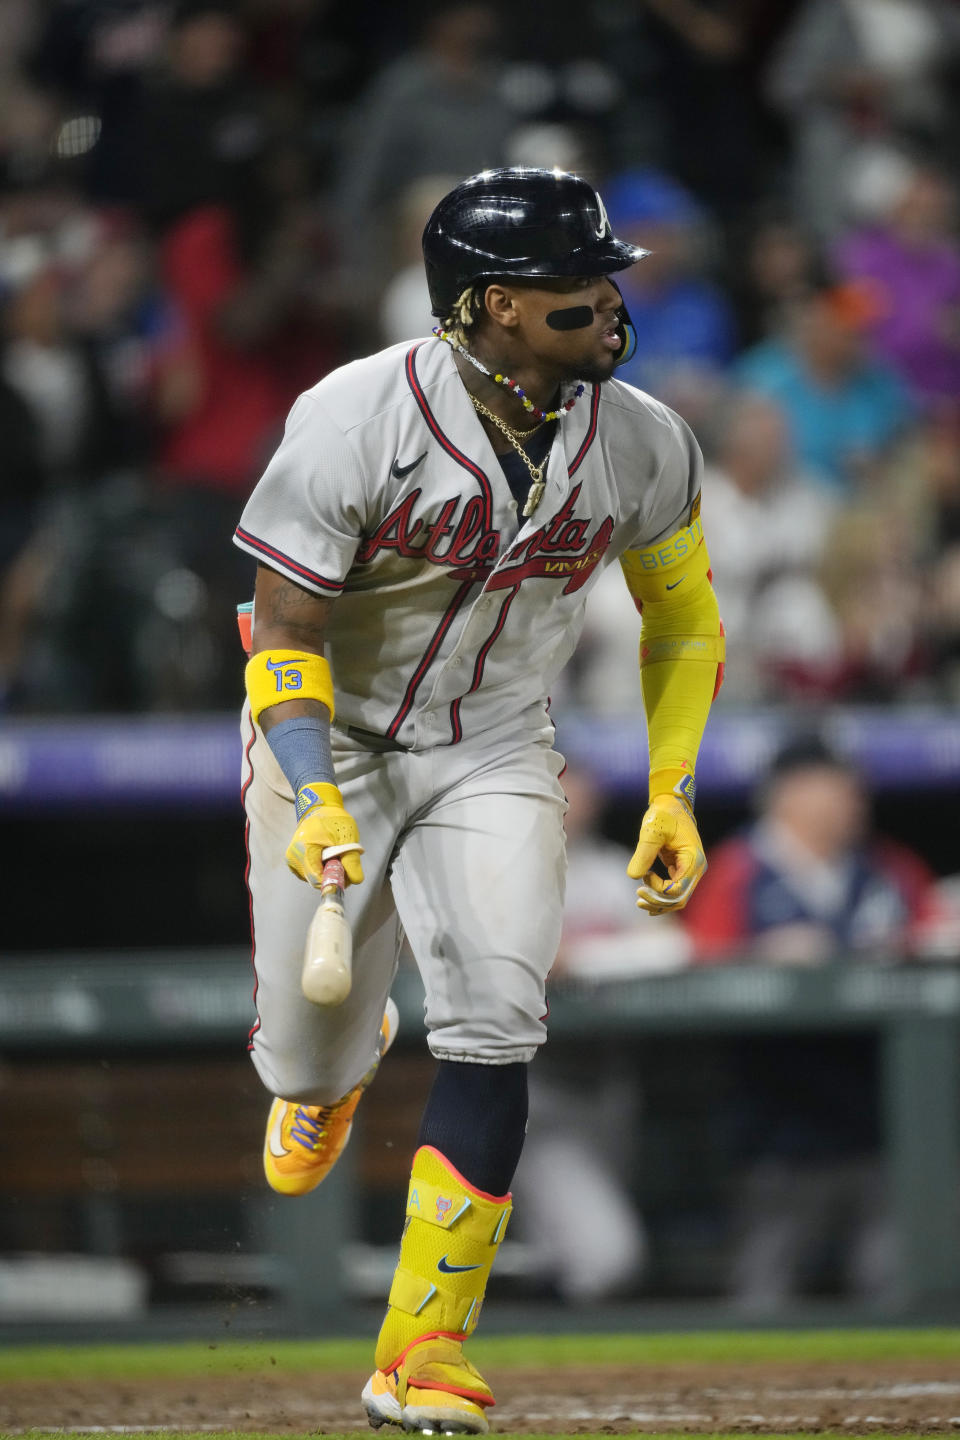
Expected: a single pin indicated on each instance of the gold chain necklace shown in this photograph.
(538, 484)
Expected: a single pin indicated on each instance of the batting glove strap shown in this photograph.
(679, 782)
(315, 794)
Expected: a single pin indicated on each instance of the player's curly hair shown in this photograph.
(465, 315)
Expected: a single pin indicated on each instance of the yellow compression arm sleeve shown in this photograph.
(681, 652)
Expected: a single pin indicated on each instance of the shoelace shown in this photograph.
(309, 1130)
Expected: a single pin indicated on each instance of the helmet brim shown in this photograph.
(606, 258)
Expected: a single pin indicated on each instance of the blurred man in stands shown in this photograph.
(906, 249)
(806, 883)
(438, 108)
(769, 522)
(684, 322)
(845, 409)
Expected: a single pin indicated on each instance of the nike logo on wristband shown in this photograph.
(675, 583)
(400, 470)
(446, 1268)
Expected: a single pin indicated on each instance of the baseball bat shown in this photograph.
(328, 954)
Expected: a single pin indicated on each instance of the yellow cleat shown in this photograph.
(434, 1390)
(304, 1142)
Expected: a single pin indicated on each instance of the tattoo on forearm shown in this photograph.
(298, 612)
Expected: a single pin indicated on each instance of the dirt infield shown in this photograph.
(917, 1396)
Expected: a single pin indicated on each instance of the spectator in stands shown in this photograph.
(97, 57)
(584, 1100)
(21, 497)
(872, 577)
(808, 882)
(692, 60)
(131, 325)
(684, 323)
(768, 523)
(66, 440)
(203, 132)
(55, 376)
(435, 110)
(844, 409)
(774, 270)
(404, 311)
(242, 253)
(907, 250)
(851, 72)
(925, 478)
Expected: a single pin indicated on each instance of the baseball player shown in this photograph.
(428, 532)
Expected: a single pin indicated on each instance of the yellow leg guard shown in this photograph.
(450, 1239)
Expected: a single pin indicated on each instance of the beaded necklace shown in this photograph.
(539, 415)
(538, 484)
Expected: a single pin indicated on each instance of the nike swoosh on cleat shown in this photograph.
(675, 583)
(446, 1268)
(276, 1132)
(400, 470)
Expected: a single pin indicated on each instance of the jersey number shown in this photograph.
(287, 676)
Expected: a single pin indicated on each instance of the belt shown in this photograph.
(369, 739)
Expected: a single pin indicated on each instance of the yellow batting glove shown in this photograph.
(325, 830)
(668, 831)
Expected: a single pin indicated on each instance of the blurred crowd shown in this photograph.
(206, 206)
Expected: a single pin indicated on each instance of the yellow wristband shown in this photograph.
(273, 676)
(673, 781)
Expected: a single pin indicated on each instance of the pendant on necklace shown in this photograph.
(534, 496)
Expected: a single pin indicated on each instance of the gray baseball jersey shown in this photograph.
(386, 493)
(450, 624)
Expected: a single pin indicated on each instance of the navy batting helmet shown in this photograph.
(518, 222)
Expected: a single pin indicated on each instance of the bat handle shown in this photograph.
(333, 878)
(327, 972)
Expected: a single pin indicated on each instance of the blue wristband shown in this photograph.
(302, 749)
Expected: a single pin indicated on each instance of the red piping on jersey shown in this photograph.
(246, 879)
(591, 434)
(272, 553)
(436, 640)
(479, 475)
(481, 660)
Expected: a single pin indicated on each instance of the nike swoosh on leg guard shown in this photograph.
(444, 1266)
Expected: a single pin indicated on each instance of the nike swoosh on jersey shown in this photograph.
(400, 470)
(446, 1268)
(675, 583)
(276, 1132)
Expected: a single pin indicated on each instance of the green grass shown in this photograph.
(229, 1357)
